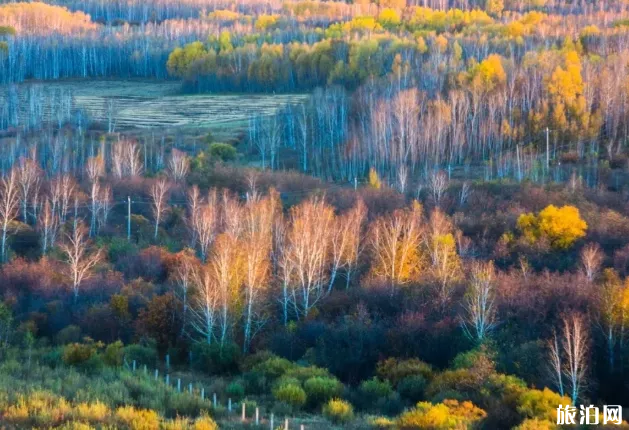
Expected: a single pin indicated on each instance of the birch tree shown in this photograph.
(479, 318)
(591, 258)
(29, 179)
(178, 165)
(204, 304)
(309, 232)
(9, 201)
(80, 259)
(394, 243)
(159, 201)
(257, 241)
(48, 225)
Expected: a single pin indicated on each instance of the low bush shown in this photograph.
(96, 412)
(78, 353)
(293, 395)
(305, 373)
(214, 360)
(412, 388)
(374, 389)
(338, 411)
(274, 367)
(204, 422)
(69, 334)
(142, 354)
(114, 354)
(137, 419)
(394, 370)
(235, 390)
(321, 389)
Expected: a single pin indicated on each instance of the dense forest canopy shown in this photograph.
(423, 224)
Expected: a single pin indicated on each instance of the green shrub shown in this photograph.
(293, 395)
(374, 389)
(223, 152)
(412, 388)
(286, 380)
(235, 390)
(476, 358)
(184, 404)
(69, 334)
(274, 367)
(394, 370)
(114, 354)
(281, 409)
(78, 353)
(338, 411)
(251, 361)
(6, 30)
(304, 373)
(320, 389)
(141, 354)
(53, 358)
(215, 360)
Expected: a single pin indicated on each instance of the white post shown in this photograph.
(145, 369)
(156, 374)
(129, 218)
(547, 147)
(286, 424)
(272, 427)
(202, 393)
(190, 388)
(257, 416)
(167, 379)
(134, 365)
(179, 385)
(229, 405)
(243, 411)
(214, 399)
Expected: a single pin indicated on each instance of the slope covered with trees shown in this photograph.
(437, 238)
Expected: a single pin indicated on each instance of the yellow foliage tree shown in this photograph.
(374, 179)
(487, 74)
(389, 18)
(494, 7)
(394, 242)
(561, 226)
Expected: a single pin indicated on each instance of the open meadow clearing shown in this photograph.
(125, 105)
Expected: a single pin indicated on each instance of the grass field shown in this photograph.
(140, 105)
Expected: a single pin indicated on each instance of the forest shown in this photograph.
(388, 214)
